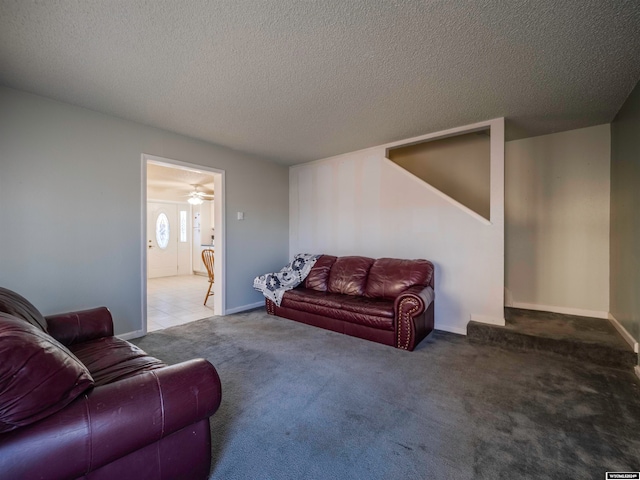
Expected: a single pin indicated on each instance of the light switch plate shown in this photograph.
(240, 215)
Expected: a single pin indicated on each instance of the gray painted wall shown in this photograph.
(625, 221)
(557, 191)
(70, 207)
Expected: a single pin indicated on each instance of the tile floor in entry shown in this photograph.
(176, 300)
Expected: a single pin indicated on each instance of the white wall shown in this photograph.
(361, 203)
(70, 207)
(557, 221)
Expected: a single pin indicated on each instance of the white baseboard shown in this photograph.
(565, 310)
(625, 334)
(487, 319)
(451, 329)
(243, 308)
(637, 370)
(130, 335)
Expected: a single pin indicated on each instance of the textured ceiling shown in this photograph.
(175, 184)
(300, 80)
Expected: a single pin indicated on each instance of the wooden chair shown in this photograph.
(207, 258)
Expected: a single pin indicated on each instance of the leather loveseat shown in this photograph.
(77, 402)
(387, 300)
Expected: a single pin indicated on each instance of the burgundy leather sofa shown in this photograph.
(77, 402)
(387, 300)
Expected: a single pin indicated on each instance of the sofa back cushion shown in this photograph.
(38, 376)
(318, 278)
(18, 306)
(389, 277)
(349, 275)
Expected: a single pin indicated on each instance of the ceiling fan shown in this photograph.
(197, 197)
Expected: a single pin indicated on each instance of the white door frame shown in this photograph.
(219, 290)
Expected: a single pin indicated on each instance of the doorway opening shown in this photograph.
(183, 214)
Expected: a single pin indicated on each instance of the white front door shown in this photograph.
(162, 239)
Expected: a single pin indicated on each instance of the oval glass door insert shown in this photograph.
(162, 231)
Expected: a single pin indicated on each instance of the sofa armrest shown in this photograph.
(76, 327)
(111, 421)
(410, 304)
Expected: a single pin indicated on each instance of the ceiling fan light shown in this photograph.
(195, 200)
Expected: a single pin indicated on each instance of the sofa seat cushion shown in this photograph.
(374, 313)
(38, 375)
(110, 359)
(369, 306)
(315, 297)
